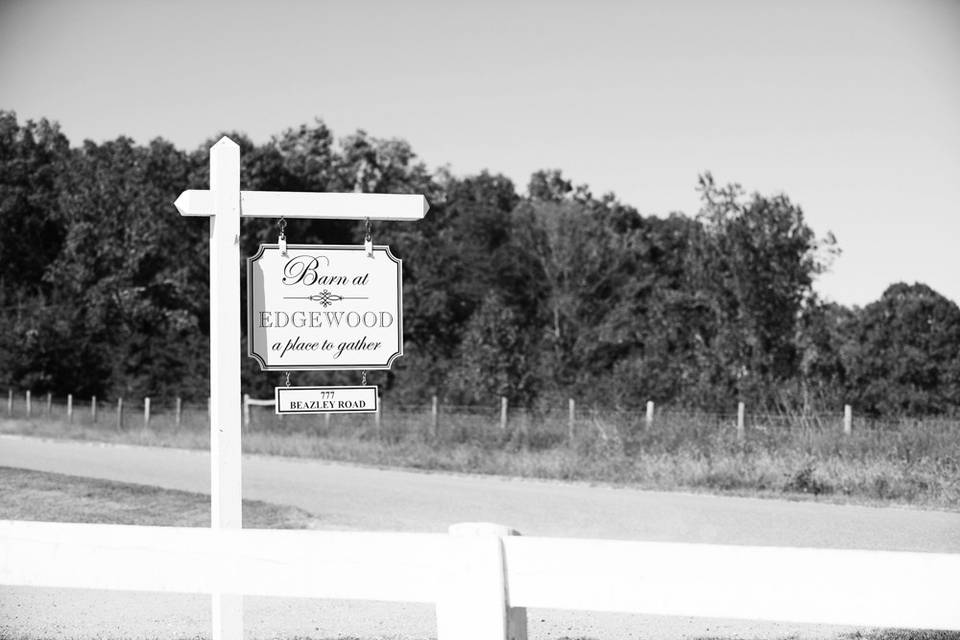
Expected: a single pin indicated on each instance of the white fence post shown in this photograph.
(146, 413)
(93, 409)
(473, 604)
(740, 420)
(49, 403)
(28, 404)
(847, 419)
(649, 418)
(120, 414)
(571, 418)
(503, 413)
(70, 408)
(376, 418)
(178, 412)
(225, 493)
(9, 402)
(435, 417)
(246, 410)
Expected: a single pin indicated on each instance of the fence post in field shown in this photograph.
(246, 410)
(9, 402)
(847, 419)
(146, 413)
(376, 418)
(49, 403)
(435, 417)
(740, 411)
(178, 412)
(28, 404)
(649, 418)
(93, 409)
(571, 418)
(503, 413)
(119, 414)
(473, 604)
(70, 408)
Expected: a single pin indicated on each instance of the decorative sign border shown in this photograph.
(324, 367)
(278, 391)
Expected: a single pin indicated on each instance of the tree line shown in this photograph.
(532, 294)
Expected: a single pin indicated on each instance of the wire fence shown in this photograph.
(495, 424)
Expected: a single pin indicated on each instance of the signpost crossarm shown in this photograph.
(294, 204)
(225, 450)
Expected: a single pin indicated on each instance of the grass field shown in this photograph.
(908, 462)
(53, 497)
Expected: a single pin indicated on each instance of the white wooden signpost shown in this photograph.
(225, 204)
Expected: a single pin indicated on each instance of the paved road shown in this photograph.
(345, 496)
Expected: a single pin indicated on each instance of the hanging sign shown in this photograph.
(326, 400)
(324, 307)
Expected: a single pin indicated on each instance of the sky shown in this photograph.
(850, 108)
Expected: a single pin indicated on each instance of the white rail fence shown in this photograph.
(482, 579)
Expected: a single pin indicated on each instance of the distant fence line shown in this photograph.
(502, 414)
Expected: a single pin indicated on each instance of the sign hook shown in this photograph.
(282, 240)
(368, 240)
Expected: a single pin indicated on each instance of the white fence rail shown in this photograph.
(481, 580)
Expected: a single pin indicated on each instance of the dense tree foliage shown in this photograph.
(534, 296)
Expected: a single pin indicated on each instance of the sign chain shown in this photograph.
(363, 378)
(368, 238)
(288, 378)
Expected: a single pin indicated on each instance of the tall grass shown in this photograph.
(906, 461)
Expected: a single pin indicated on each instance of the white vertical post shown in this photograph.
(474, 602)
(847, 419)
(9, 402)
(28, 404)
(435, 416)
(179, 412)
(120, 414)
(49, 403)
(225, 365)
(146, 413)
(376, 418)
(571, 418)
(503, 413)
(246, 410)
(740, 427)
(649, 418)
(70, 408)
(93, 409)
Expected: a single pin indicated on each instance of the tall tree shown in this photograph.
(754, 265)
(131, 273)
(905, 356)
(33, 159)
